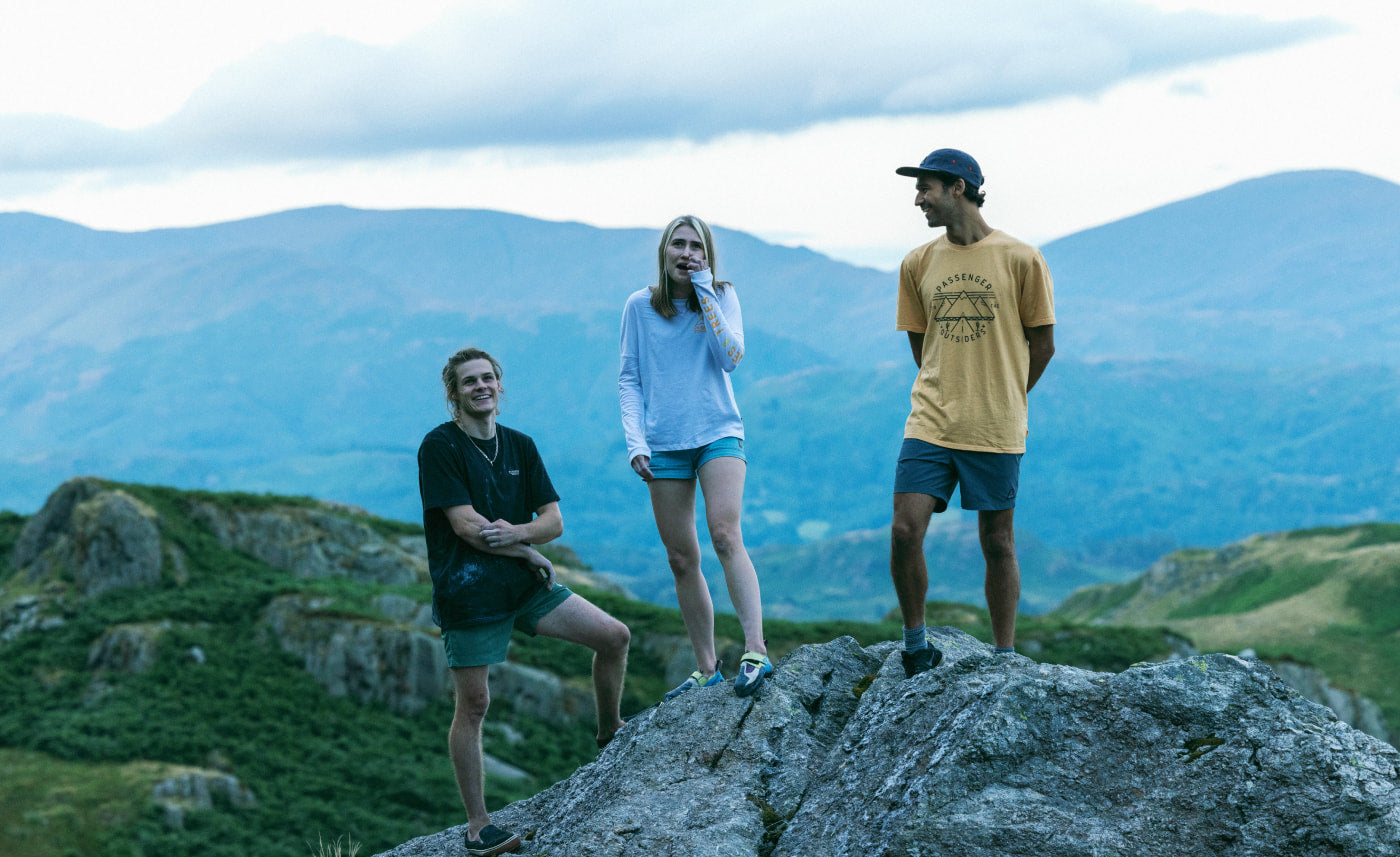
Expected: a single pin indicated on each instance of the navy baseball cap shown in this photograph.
(949, 161)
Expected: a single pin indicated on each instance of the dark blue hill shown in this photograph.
(1287, 269)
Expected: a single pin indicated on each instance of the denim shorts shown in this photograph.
(685, 463)
(987, 480)
(483, 645)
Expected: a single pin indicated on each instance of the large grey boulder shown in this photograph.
(51, 522)
(100, 538)
(315, 542)
(24, 614)
(130, 648)
(839, 755)
(193, 789)
(541, 694)
(403, 668)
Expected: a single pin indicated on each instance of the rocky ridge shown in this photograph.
(92, 537)
(984, 756)
(100, 538)
(1316, 604)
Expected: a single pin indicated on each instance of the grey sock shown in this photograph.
(1009, 650)
(915, 638)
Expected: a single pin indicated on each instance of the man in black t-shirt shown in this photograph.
(487, 501)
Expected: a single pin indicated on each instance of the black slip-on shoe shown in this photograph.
(493, 841)
(920, 660)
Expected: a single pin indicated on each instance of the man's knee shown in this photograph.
(614, 637)
(907, 532)
(998, 546)
(472, 704)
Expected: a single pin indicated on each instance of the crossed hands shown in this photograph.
(503, 534)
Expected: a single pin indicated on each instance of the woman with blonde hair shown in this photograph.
(680, 340)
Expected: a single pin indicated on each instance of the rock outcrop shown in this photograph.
(316, 542)
(985, 756)
(100, 538)
(128, 648)
(541, 694)
(24, 614)
(403, 668)
(194, 790)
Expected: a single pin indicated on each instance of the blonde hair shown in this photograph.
(661, 294)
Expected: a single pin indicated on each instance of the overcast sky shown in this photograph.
(785, 119)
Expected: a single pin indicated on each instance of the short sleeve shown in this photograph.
(541, 489)
(1037, 298)
(442, 478)
(909, 311)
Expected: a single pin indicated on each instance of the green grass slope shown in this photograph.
(1329, 597)
(80, 751)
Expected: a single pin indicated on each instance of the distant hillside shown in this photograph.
(298, 353)
(847, 576)
(1288, 269)
(1328, 597)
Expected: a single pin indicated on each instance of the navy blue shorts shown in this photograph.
(988, 480)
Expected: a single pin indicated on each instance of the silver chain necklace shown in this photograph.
(491, 459)
(496, 450)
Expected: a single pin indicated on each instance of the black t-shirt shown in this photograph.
(471, 587)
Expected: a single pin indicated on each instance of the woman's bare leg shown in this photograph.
(673, 505)
(722, 481)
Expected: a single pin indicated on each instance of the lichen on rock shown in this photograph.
(97, 537)
(985, 756)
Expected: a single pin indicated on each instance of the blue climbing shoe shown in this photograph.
(753, 669)
(696, 679)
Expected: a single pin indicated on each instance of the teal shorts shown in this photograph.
(686, 463)
(483, 645)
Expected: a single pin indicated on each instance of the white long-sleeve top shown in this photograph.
(674, 381)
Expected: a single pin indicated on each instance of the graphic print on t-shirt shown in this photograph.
(964, 307)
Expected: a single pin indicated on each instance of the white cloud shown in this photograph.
(561, 74)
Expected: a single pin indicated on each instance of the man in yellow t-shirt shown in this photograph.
(979, 308)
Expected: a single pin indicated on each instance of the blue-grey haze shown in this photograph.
(1226, 366)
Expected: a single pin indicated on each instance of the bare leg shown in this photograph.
(722, 481)
(578, 620)
(464, 743)
(673, 504)
(907, 566)
(1003, 583)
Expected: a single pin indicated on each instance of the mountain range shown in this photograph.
(1226, 366)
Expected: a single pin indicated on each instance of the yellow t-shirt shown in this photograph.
(972, 302)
